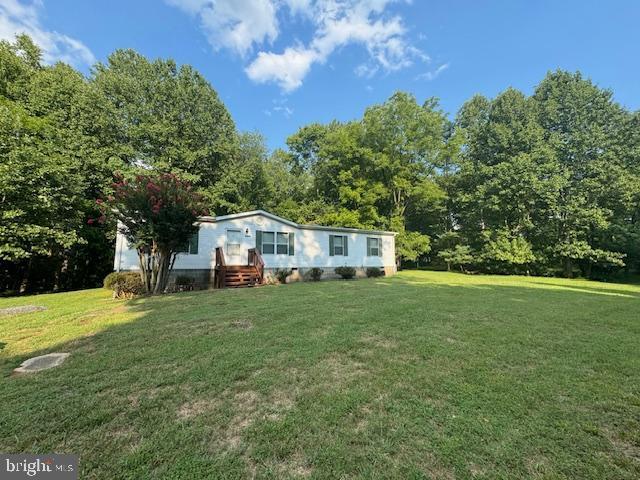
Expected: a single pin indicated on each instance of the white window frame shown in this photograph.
(264, 234)
(186, 250)
(230, 246)
(341, 246)
(280, 244)
(377, 248)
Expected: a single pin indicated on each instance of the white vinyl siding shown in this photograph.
(308, 247)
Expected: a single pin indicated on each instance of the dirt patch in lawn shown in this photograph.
(294, 466)
(278, 404)
(128, 437)
(435, 469)
(339, 369)
(379, 342)
(538, 466)
(245, 405)
(191, 409)
(242, 324)
(622, 446)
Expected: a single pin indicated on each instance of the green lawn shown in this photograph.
(424, 375)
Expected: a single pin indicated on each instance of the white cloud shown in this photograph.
(234, 24)
(365, 70)
(432, 75)
(280, 106)
(18, 17)
(286, 111)
(299, 6)
(242, 25)
(339, 23)
(287, 69)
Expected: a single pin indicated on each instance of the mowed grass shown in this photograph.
(423, 375)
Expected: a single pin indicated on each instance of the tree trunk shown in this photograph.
(568, 267)
(587, 269)
(156, 264)
(162, 275)
(24, 283)
(144, 257)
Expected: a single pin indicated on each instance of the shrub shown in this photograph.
(110, 280)
(124, 284)
(374, 272)
(184, 282)
(282, 274)
(345, 272)
(315, 274)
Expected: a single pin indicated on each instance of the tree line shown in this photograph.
(544, 184)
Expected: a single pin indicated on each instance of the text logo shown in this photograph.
(46, 467)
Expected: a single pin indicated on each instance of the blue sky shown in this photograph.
(281, 64)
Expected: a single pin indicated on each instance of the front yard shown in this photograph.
(424, 375)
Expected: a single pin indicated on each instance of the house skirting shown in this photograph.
(204, 278)
(328, 273)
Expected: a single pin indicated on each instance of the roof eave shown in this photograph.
(251, 213)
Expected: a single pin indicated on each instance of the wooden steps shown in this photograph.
(238, 276)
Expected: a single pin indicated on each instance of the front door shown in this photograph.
(234, 239)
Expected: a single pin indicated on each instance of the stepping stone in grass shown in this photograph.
(22, 309)
(43, 362)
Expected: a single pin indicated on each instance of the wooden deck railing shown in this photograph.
(220, 269)
(255, 260)
(235, 272)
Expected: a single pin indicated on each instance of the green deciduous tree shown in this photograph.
(459, 255)
(378, 172)
(157, 114)
(41, 179)
(63, 135)
(586, 130)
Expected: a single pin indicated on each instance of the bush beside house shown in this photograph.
(374, 272)
(124, 284)
(315, 274)
(345, 272)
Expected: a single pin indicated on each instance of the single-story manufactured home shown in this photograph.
(246, 248)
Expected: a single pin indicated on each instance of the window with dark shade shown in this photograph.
(191, 247)
(282, 246)
(338, 245)
(268, 242)
(374, 247)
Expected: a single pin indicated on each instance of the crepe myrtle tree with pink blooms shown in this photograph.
(157, 213)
